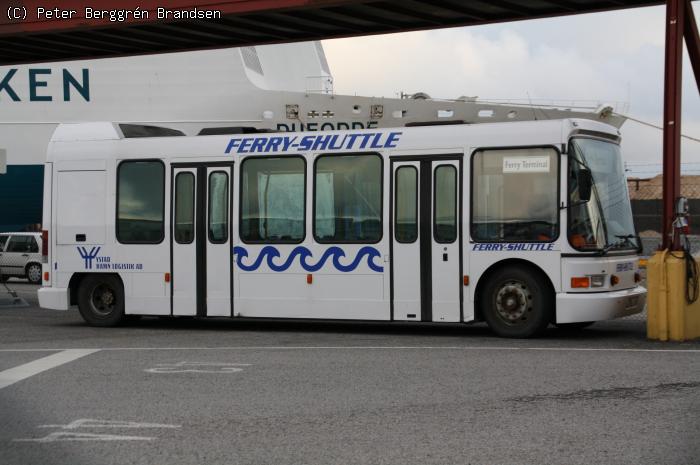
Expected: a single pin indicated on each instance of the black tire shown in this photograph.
(574, 326)
(101, 300)
(517, 302)
(33, 273)
(3, 278)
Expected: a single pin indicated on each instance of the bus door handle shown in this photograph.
(25, 254)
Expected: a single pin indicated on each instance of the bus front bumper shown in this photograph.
(53, 298)
(581, 307)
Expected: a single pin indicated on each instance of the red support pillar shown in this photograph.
(675, 20)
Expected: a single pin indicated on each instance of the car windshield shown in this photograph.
(605, 221)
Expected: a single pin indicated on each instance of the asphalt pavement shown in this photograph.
(192, 391)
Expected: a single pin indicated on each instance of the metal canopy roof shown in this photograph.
(38, 38)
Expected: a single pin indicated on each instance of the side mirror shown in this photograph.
(585, 184)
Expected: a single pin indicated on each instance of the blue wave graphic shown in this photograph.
(334, 253)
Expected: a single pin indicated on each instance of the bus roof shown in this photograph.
(106, 140)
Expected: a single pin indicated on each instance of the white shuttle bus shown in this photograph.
(519, 224)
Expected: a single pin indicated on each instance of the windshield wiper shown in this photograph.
(607, 248)
(626, 238)
(624, 241)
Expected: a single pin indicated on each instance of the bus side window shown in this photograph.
(218, 207)
(348, 199)
(445, 208)
(406, 217)
(514, 195)
(184, 208)
(140, 202)
(273, 205)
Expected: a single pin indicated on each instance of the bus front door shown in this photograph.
(202, 263)
(426, 239)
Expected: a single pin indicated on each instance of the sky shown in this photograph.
(614, 57)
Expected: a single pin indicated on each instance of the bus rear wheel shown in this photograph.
(101, 300)
(517, 303)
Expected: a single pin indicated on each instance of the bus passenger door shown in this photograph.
(426, 240)
(184, 263)
(219, 256)
(445, 256)
(406, 259)
(202, 259)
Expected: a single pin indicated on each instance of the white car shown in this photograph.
(20, 256)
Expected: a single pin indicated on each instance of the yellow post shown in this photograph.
(669, 315)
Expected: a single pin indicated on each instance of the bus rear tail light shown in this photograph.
(46, 276)
(637, 277)
(580, 282)
(614, 280)
(45, 245)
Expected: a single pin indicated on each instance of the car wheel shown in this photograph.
(517, 303)
(574, 326)
(33, 273)
(101, 300)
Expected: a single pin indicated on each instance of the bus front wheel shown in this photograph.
(101, 300)
(517, 302)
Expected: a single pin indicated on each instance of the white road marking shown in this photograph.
(60, 436)
(13, 375)
(197, 367)
(515, 348)
(91, 423)
(69, 433)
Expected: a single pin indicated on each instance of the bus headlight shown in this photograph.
(597, 280)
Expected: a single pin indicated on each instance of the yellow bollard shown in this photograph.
(669, 315)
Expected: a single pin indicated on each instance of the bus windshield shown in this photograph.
(604, 222)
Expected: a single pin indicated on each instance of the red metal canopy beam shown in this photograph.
(240, 23)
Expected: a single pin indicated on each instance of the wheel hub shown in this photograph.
(103, 300)
(107, 298)
(513, 302)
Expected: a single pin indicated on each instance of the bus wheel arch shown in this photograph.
(523, 285)
(100, 298)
